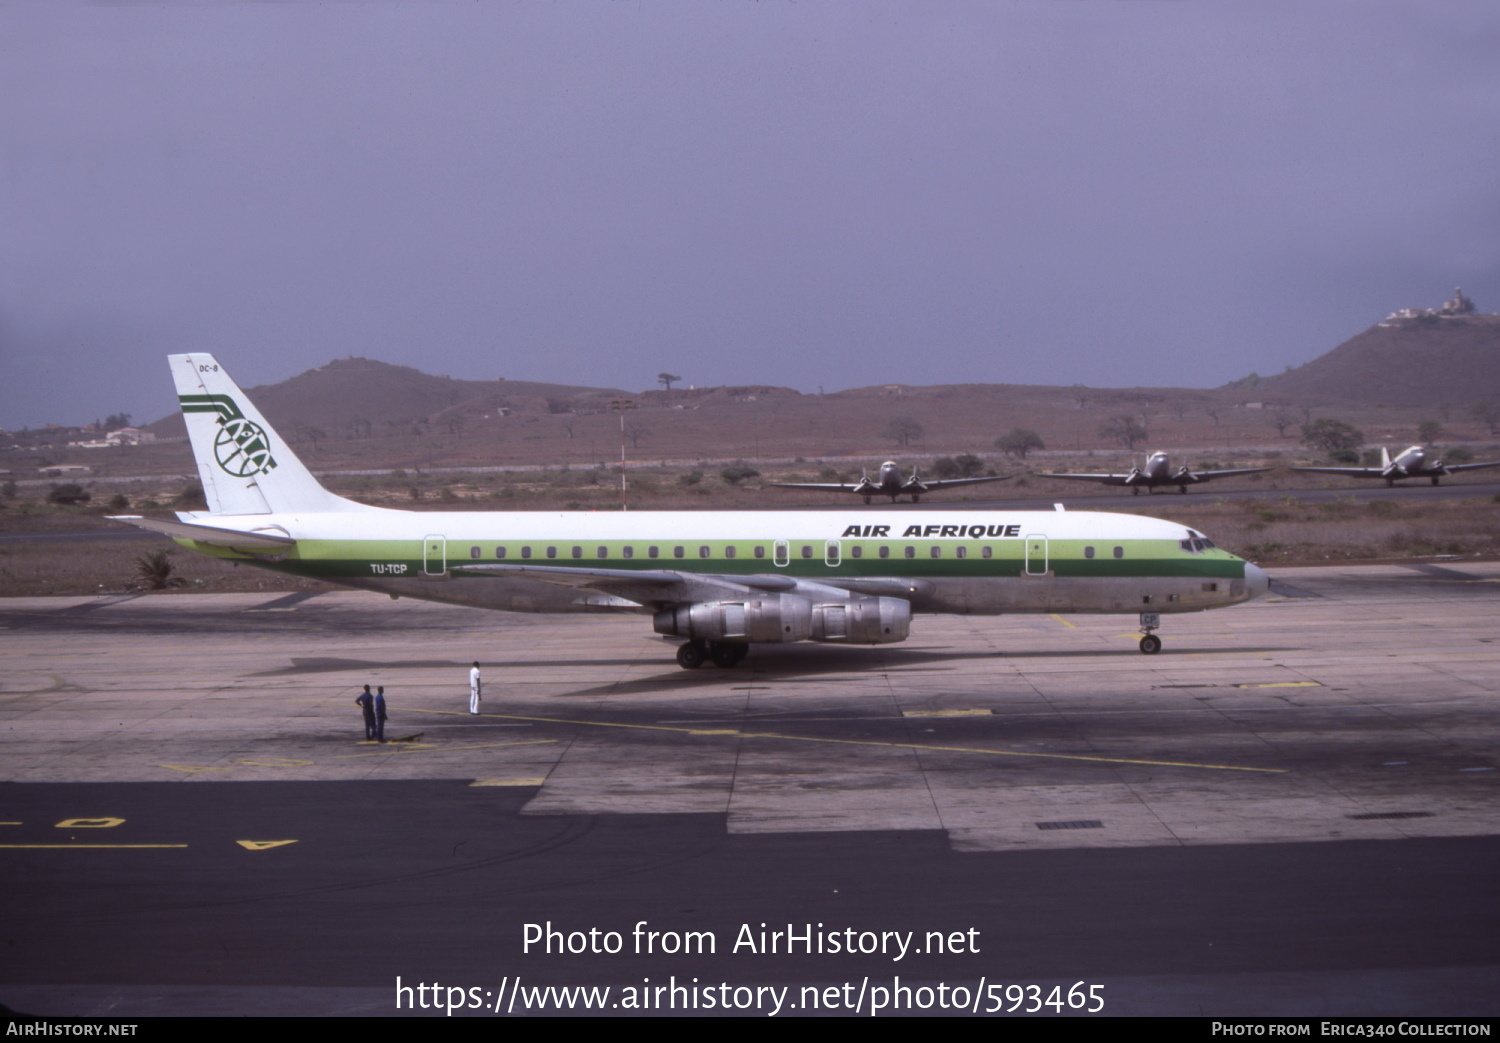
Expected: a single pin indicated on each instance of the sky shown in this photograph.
(809, 194)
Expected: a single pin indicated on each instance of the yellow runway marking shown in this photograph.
(1283, 684)
(1063, 621)
(263, 845)
(428, 748)
(886, 745)
(507, 782)
(90, 823)
(191, 769)
(947, 713)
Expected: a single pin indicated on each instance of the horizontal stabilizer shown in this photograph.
(213, 535)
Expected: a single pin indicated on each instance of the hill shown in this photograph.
(361, 397)
(1424, 359)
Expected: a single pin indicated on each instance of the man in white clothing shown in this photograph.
(474, 688)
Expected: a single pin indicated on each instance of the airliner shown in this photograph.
(717, 581)
(890, 483)
(1158, 471)
(1410, 463)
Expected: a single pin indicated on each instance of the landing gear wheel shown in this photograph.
(691, 655)
(1150, 644)
(727, 653)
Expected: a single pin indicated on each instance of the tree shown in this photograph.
(904, 430)
(1282, 420)
(1329, 435)
(636, 432)
(1123, 428)
(1019, 442)
(69, 493)
(154, 569)
(737, 472)
(666, 380)
(1428, 431)
(945, 467)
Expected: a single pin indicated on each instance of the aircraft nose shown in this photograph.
(1256, 580)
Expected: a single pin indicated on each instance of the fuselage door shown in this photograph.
(782, 555)
(1036, 554)
(434, 556)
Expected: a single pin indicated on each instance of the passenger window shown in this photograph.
(577, 552)
(911, 552)
(729, 551)
(499, 552)
(473, 552)
(677, 551)
(885, 552)
(627, 551)
(1119, 552)
(961, 552)
(856, 551)
(551, 552)
(1088, 552)
(652, 552)
(603, 552)
(525, 552)
(986, 551)
(783, 554)
(760, 550)
(807, 550)
(936, 552)
(702, 552)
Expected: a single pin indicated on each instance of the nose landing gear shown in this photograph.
(1150, 644)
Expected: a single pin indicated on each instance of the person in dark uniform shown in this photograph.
(366, 702)
(380, 714)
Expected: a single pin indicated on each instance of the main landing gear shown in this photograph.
(722, 653)
(1150, 644)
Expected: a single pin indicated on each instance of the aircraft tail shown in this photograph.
(1385, 459)
(245, 466)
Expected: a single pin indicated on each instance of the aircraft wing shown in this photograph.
(1102, 479)
(1351, 472)
(265, 540)
(648, 586)
(934, 484)
(1470, 467)
(843, 487)
(1203, 476)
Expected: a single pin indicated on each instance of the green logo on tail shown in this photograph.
(241, 447)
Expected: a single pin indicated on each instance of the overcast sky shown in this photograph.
(809, 193)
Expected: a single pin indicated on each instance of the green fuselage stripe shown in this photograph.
(1064, 558)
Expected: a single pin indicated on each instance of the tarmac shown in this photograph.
(1293, 808)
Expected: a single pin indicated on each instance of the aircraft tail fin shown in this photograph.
(1385, 458)
(245, 466)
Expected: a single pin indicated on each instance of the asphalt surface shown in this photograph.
(1291, 810)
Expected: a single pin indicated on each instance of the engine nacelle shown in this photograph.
(774, 617)
(862, 621)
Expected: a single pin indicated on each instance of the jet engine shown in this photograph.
(790, 617)
(778, 617)
(862, 621)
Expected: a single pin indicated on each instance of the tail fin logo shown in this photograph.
(242, 448)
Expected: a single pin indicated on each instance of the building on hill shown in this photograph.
(1459, 305)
